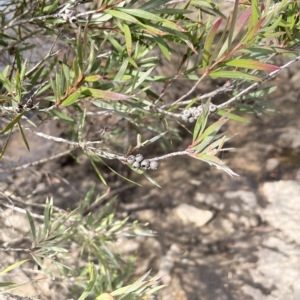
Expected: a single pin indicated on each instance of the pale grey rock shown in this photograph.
(253, 292)
(248, 199)
(289, 139)
(283, 212)
(276, 271)
(214, 200)
(227, 225)
(272, 164)
(191, 214)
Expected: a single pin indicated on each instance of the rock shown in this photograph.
(283, 210)
(191, 214)
(272, 164)
(276, 273)
(248, 199)
(214, 200)
(290, 139)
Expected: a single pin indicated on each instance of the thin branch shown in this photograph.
(41, 161)
(190, 91)
(10, 46)
(22, 211)
(258, 84)
(15, 250)
(31, 20)
(17, 297)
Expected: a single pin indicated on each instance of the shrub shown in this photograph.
(109, 68)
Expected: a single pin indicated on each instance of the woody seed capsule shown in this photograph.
(139, 158)
(153, 165)
(135, 165)
(130, 159)
(145, 164)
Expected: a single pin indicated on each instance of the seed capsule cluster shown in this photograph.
(191, 114)
(138, 161)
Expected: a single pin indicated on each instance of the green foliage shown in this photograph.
(90, 235)
(118, 48)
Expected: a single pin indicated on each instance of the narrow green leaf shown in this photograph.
(241, 22)
(140, 80)
(48, 9)
(250, 64)
(232, 116)
(71, 99)
(92, 78)
(214, 128)
(88, 196)
(172, 11)
(215, 161)
(201, 121)
(152, 17)
(12, 123)
(23, 71)
(5, 144)
(232, 24)
(255, 15)
(151, 179)
(80, 49)
(47, 216)
(127, 179)
(91, 283)
(13, 266)
(128, 38)
(249, 36)
(66, 73)
(61, 116)
(153, 30)
(121, 15)
(105, 296)
(107, 95)
(23, 136)
(97, 171)
(81, 125)
(163, 46)
(153, 4)
(153, 139)
(132, 62)
(209, 41)
(5, 284)
(121, 71)
(201, 144)
(32, 226)
(233, 74)
(116, 44)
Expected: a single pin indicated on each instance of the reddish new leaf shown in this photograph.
(251, 64)
(107, 95)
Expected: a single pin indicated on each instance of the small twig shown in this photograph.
(190, 91)
(41, 161)
(31, 20)
(17, 297)
(27, 250)
(170, 83)
(227, 87)
(53, 138)
(258, 84)
(22, 211)
(49, 54)
(100, 152)
(170, 155)
(9, 195)
(12, 45)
